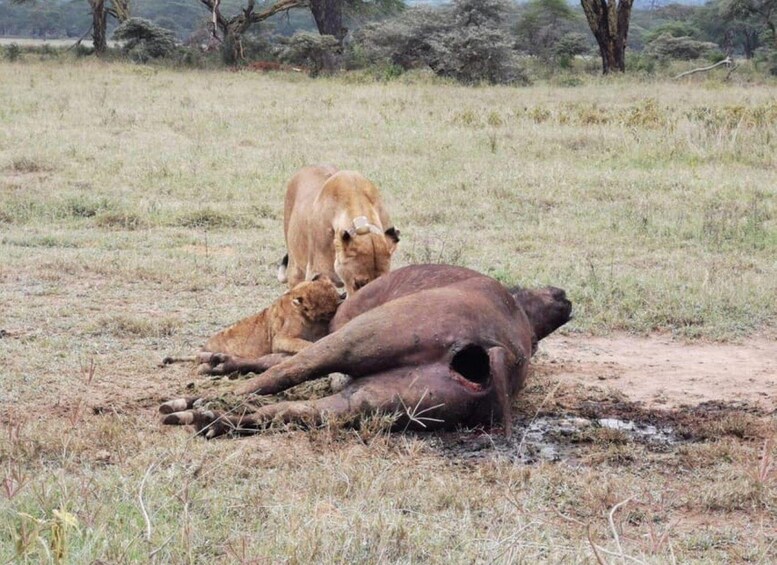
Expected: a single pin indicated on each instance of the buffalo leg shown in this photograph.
(366, 345)
(422, 398)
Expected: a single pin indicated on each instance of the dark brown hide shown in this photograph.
(438, 345)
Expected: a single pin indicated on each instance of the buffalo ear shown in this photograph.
(393, 233)
(346, 237)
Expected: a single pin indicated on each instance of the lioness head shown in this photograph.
(361, 258)
(316, 300)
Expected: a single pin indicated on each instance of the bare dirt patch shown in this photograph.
(664, 373)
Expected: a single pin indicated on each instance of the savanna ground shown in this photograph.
(140, 211)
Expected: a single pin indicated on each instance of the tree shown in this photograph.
(310, 50)
(328, 15)
(144, 41)
(667, 46)
(229, 30)
(609, 22)
(467, 41)
(541, 26)
(101, 9)
(762, 11)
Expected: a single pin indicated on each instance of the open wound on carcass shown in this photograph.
(470, 367)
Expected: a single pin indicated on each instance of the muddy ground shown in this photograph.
(654, 391)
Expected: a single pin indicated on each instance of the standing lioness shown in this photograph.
(335, 224)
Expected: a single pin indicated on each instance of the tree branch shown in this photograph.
(727, 61)
(280, 6)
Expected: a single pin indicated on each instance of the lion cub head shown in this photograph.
(315, 300)
(361, 258)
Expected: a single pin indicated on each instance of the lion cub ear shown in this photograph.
(393, 234)
(297, 301)
(316, 277)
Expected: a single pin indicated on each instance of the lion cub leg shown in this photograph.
(290, 345)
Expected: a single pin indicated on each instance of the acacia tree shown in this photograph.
(609, 22)
(101, 9)
(541, 26)
(230, 30)
(763, 11)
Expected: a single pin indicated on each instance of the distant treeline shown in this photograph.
(469, 40)
(537, 25)
(52, 19)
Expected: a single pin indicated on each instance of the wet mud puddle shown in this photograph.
(555, 438)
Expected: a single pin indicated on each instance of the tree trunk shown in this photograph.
(329, 17)
(609, 22)
(749, 43)
(99, 26)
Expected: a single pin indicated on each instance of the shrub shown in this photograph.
(13, 52)
(311, 50)
(144, 40)
(569, 46)
(467, 42)
(668, 47)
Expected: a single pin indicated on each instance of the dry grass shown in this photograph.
(140, 211)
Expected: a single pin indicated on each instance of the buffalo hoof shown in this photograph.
(207, 423)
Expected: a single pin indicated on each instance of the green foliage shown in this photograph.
(759, 12)
(569, 46)
(13, 52)
(541, 25)
(309, 50)
(144, 40)
(467, 42)
(768, 59)
(685, 48)
(673, 29)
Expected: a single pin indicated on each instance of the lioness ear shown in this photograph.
(346, 237)
(297, 301)
(393, 233)
(316, 277)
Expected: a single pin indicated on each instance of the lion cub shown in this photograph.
(290, 324)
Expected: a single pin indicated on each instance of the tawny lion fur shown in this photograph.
(298, 318)
(335, 224)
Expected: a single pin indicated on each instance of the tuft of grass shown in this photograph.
(27, 165)
(207, 218)
(122, 220)
(125, 325)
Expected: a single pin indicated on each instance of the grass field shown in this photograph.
(141, 210)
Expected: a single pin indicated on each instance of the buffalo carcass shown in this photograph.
(438, 345)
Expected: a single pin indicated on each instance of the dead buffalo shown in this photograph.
(438, 345)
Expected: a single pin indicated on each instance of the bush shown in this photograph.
(13, 52)
(144, 40)
(568, 47)
(768, 58)
(467, 42)
(311, 50)
(668, 47)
